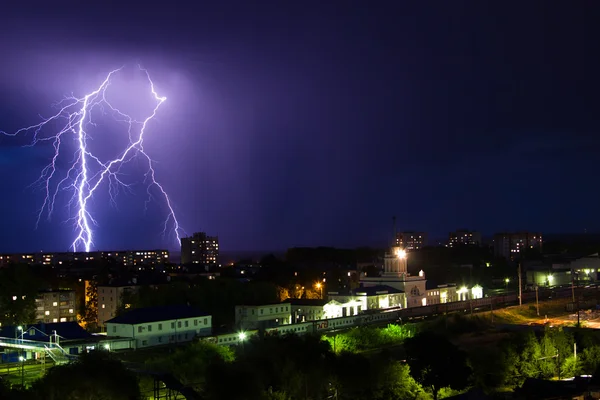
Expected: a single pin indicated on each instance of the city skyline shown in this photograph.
(293, 126)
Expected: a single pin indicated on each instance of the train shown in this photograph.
(391, 316)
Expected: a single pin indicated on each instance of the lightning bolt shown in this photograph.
(87, 173)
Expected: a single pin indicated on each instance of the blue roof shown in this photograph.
(41, 331)
(155, 314)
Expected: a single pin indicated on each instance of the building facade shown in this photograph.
(410, 241)
(110, 299)
(157, 326)
(375, 297)
(128, 258)
(395, 274)
(304, 310)
(512, 245)
(262, 316)
(56, 306)
(200, 249)
(464, 237)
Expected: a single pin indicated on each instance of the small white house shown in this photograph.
(155, 326)
(262, 316)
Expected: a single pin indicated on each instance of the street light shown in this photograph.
(22, 359)
(19, 329)
(401, 253)
(242, 336)
(320, 287)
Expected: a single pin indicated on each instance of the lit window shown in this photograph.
(103, 305)
(63, 319)
(55, 320)
(47, 313)
(70, 311)
(14, 298)
(55, 304)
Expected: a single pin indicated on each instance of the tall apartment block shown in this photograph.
(511, 245)
(56, 306)
(411, 240)
(200, 249)
(463, 237)
(127, 258)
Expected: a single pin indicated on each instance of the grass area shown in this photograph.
(527, 313)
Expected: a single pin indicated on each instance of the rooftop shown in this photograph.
(66, 330)
(375, 290)
(307, 302)
(154, 314)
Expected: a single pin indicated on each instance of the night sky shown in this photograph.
(305, 123)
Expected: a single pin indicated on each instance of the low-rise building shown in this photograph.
(56, 306)
(581, 270)
(155, 326)
(304, 310)
(249, 317)
(439, 294)
(369, 298)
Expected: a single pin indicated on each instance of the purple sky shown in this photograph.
(312, 124)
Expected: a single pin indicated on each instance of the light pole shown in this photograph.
(537, 301)
(22, 359)
(506, 281)
(19, 329)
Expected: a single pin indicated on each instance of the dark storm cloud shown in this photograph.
(313, 124)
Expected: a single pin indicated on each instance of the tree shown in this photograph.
(436, 363)
(18, 291)
(191, 364)
(90, 317)
(94, 376)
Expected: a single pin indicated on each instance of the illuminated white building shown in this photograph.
(439, 294)
(364, 298)
(262, 316)
(395, 274)
(304, 310)
(160, 325)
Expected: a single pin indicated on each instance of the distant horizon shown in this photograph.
(432, 241)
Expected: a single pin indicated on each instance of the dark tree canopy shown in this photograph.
(94, 376)
(436, 363)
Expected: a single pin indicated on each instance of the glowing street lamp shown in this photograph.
(319, 286)
(242, 336)
(550, 280)
(401, 253)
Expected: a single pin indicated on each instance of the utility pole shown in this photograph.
(520, 286)
(537, 301)
(573, 284)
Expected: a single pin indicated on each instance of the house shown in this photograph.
(370, 298)
(155, 326)
(250, 317)
(304, 310)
